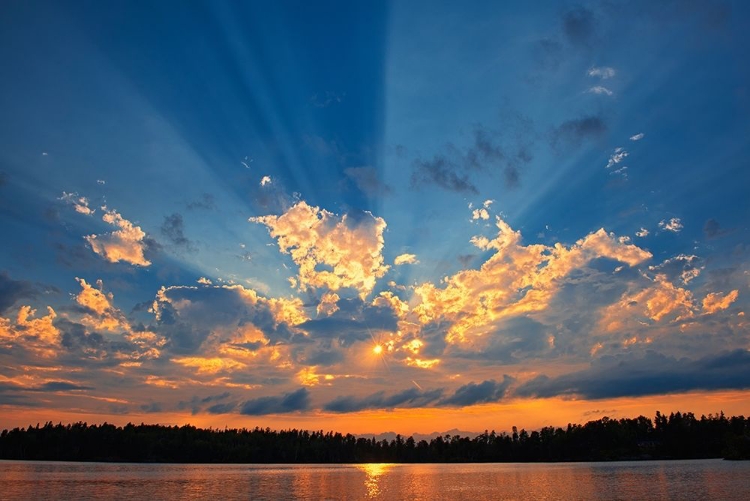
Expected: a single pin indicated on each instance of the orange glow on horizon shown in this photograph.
(501, 417)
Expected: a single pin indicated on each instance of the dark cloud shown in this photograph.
(484, 392)
(206, 202)
(173, 228)
(12, 291)
(222, 408)
(452, 168)
(712, 229)
(203, 309)
(466, 259)
(579, 26)
(442, 172)
(151, 408)
(289, 402)
(574, 132)
(74, 336)
(652, 374)
(682, 267)
(368, 181)
(411, 397)
(61, 386)
(199, 404)
(354, 321)
(516, 338)
(324, 357)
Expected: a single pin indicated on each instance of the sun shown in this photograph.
(377, 349)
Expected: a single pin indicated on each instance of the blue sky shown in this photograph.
(220, 211)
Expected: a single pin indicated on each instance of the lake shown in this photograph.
(644, 480)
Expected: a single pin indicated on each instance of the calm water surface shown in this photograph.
(671, 480)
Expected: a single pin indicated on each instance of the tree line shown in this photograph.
(677, 436)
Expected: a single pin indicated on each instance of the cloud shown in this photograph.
(405, 259)
(368, 181)
(715, 301)
(674, 225)
(480, 213)
(353, 320)
(103, 315)
(575, 131)
(38, 332)
(210, 403)
(80, 204)
(637, 137)
(265, 180)
(289, 402)
(598, 89)
(192, 317)
(473, 300)
(643, 232)
(328, 304)
(659, 301)
(683, 266)
(451, 169)
(409, 398)
(579, 26)
(615, 158)
(484, 392)
(651, 374)
(331, 251)
(206, 201)
(442, 171)
(12, 291)
(125, 244)
(173, 228)
(327, 99)
(603, 72)
(62, 386)
(712, 229)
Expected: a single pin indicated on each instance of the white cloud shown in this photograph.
(598, 89)
(643, 232)
(265, 180)
(331, 251)
(617, 157)
(480, 214)
(125, 244)
(674, 225)
(637, 137)
(405, 259)
(603, 72)
(80, 204)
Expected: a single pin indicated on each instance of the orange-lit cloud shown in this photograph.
(516, 279)
(715, 301)
(405, 259)
(124, 244)
(331, 251)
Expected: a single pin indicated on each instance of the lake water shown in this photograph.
(647, 480)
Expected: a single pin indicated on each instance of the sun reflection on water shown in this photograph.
(373, 472)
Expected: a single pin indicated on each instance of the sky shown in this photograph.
(372, 216)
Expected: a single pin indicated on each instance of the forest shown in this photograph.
(676, 436)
